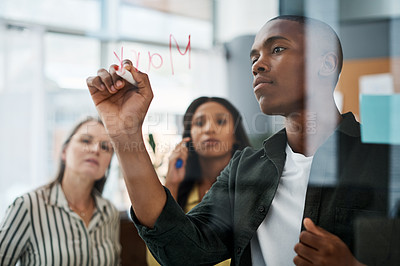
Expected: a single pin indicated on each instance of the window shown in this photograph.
(43, 81)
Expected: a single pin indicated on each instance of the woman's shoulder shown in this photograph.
(29, 199)
(21, 201)
(25, 201)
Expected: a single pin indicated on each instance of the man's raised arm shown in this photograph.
(122, 108)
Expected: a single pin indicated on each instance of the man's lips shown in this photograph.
(260, 81)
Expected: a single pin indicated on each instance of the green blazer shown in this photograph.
(348, 180)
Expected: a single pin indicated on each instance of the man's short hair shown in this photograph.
(326, 36)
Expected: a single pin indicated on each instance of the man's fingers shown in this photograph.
(107, 80)
(127, 62)
(313, 236)
(306, 251)
(117, 81)
(310, 239)
(95, 84)
(300, 261)
(140, 77)
(311, 227)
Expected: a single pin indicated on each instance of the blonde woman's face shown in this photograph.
(89, 152)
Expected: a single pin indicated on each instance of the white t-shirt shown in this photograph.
(277, 235)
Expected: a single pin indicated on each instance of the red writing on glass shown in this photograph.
(179, 50)
(155, 60)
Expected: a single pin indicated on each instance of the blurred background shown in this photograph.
(49, 47)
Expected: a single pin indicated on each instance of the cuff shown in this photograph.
(169, 221)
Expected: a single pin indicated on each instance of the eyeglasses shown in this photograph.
(89, 140)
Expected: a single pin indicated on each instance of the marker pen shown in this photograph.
(179, 163)
(126, 75)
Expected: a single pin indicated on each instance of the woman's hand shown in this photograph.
(176, 175)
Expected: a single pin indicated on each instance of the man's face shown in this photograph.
(278, 66)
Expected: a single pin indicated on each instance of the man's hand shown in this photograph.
(319, 247)
(121, 106)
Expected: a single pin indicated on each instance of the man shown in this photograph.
(316, 167)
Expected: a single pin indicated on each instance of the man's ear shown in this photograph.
(329, 64)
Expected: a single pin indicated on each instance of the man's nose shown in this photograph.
(260, 66)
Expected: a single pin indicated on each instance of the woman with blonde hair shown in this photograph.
(67, 222)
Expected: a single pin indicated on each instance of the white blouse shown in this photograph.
(40, 229)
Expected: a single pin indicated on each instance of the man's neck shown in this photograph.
(308, 130)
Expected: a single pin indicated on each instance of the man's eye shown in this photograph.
(253, 60)
(277, 50)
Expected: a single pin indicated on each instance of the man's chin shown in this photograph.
(268, 109)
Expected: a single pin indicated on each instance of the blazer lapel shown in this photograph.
(254, 195)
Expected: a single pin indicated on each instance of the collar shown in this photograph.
(274, 147)
(56, 197)
(349, 125)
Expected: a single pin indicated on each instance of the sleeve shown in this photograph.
(201, 237)
(14, 232)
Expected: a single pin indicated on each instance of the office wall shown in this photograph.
(369, 48)
(348, 84)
